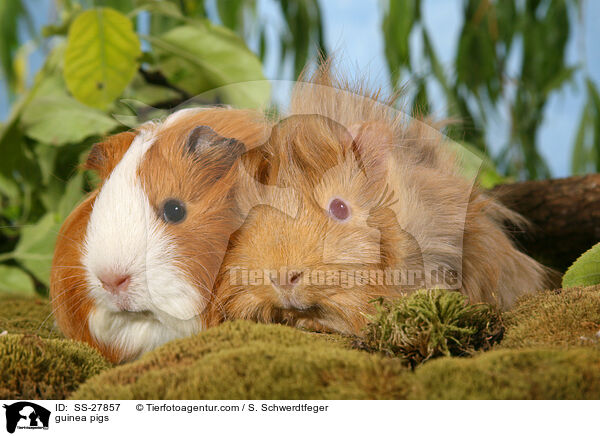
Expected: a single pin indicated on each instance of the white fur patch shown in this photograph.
(177, 115)
(125, 236)
(135, 334)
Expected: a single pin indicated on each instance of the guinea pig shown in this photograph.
(135, 262)
(383, 211)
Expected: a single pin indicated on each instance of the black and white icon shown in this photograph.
(26, 415)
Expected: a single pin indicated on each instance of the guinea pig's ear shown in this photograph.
(104, 156)
(202, 138)
(372, 145)
(213, 150)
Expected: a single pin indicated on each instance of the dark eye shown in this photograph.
(173, 211)
(339, 210)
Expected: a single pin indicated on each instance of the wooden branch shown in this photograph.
(157, 78)
(565, 214)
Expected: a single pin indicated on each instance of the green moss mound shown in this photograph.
(560, 318)
(542, 356)
(512, 374)
(26, 315)
(243, 360)
(37, 368)
(429, 324)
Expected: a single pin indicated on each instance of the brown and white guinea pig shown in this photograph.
(135, 262)
(383, 210)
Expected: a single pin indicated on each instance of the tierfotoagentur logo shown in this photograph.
(24, 415)
(347, 278)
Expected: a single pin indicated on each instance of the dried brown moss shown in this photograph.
(430, 324)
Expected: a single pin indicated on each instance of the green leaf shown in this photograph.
(167, 9)
(15, 280)
(561, 77)
(303, 32)
(101, 56)
(202, 58)
(474, 164)
(13, 14)
(506, 15)
(17, 162)
(545, 31)
(124, 6)
(231, 13)
(421, 100)
(72, 196)
(46, 156)
(146, 93)
(398, 21)
(436, 66)
(9, 188)
(36, 247)
(579, 155)
(62, 120)
(475, 62)
(12, 151)
(594, 97)
(585, 271)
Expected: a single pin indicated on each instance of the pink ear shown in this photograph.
(372, 144)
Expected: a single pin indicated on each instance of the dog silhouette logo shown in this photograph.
(26, 415)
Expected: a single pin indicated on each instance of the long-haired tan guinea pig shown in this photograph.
(135, 263)
(383, 211)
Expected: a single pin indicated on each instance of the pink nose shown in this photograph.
(289, 282)
(115, 283)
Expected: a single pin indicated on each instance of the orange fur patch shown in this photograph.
(68, 289)
(202, 181)
(205, 182)
(402, 183)
(104, 156)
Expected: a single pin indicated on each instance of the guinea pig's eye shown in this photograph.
(339, 210)
(173, 211)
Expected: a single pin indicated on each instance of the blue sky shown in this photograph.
(353, 28)
(352, 31)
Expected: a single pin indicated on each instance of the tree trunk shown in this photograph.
(565, 214)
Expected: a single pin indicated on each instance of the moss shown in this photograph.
(564, 317)
(242, 360)
(429, 324)
(512, 374)
(27, 315)
(37, 368)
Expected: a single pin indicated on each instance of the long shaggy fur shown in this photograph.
(412, 211)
